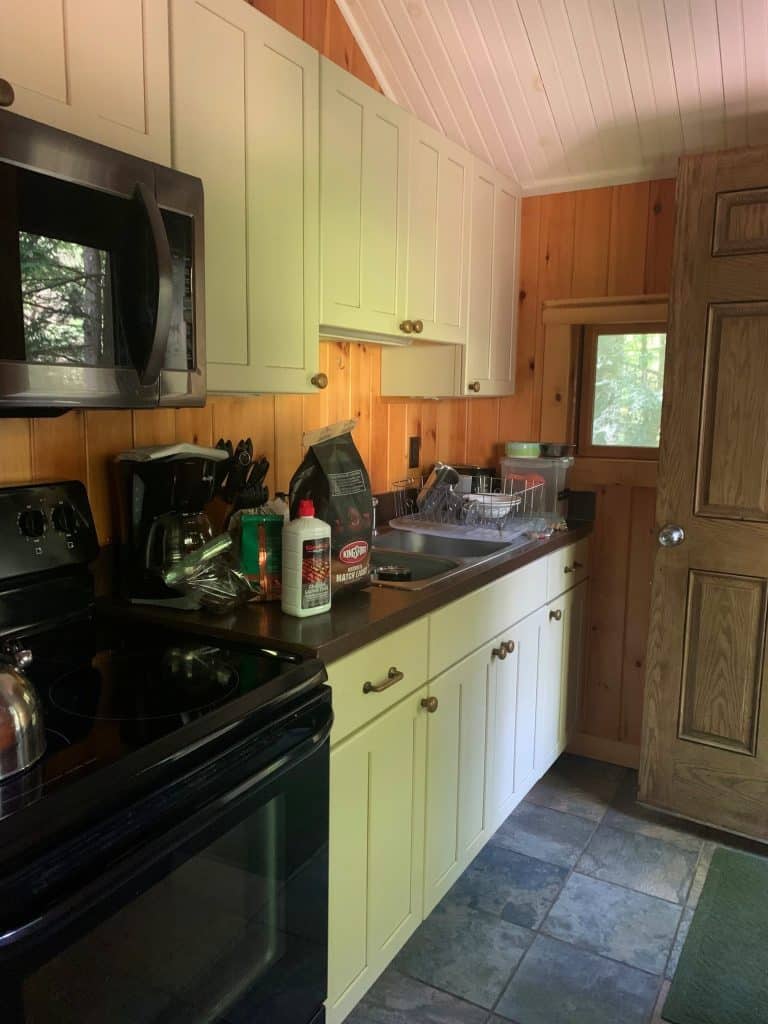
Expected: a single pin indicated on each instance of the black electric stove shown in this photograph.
(182, 801)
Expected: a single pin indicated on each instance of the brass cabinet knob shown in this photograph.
(320, 380)
(556, 615)
(407, 326)
(509, 645)
(474, 386)
(500, 652)
(7, 95)
(429, 704)
(418, 326)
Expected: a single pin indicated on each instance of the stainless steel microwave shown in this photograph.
(101, 276)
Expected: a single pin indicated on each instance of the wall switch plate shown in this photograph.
(414, 452)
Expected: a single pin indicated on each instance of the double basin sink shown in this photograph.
(409, 560)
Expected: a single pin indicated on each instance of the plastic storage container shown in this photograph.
(542, 481)
(306, 564)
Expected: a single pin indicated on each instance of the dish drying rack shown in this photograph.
(493, 507)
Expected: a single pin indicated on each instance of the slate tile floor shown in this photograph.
(574, 913)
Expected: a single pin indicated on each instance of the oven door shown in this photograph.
(220, 916)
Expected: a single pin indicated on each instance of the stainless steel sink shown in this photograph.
(427, 559)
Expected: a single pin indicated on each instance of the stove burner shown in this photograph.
(122, 687)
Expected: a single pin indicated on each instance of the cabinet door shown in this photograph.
(96, 69)
(259, 162)
(439, 183)
(489, 363)
(514, 686)
(376, 849)
(363, 207)
(575, 654)
(456, 774)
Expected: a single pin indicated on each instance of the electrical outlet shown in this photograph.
(414, 452)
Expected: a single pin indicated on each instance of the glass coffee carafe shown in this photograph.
(175, 535)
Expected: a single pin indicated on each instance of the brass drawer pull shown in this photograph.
(556, 615)
(578, 565)
(393, 676)
(429, 704)
(500, 652)
(569, 569)
(575, 568)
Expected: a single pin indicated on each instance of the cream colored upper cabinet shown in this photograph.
(93, 68)
(245, 119)
(439, 185)
(489, 360)
(363, 207)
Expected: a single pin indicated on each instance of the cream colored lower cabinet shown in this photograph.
(457, 773)
(376, 849)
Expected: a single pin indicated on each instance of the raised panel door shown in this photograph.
(376, 849)
(439, 187)
(363, 207)
(455, 823)
(705, 739)
(94, 69)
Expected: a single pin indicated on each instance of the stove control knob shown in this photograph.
(64, 518)
(32, 522)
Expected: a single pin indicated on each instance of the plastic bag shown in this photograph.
(209, 576)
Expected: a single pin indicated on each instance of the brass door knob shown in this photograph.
(429, 704)
(407, 326)
(418, 326)
(7, 95)
(320, 380)
(556, 615)
(500, 652)
(474, 386)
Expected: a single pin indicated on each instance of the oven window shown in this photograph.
(66, 302)
(235, 933)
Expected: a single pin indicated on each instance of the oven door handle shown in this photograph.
(150, 371)
(148, 862)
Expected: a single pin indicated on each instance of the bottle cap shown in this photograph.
(306, 507)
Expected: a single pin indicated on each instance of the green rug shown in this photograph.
(722, 976)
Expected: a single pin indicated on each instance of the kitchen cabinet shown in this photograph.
(259, 162)
(376, 849)
(485, 366)
(560, 674)
(439, 191)
(94, 69)
(363, 207)
(457, 779)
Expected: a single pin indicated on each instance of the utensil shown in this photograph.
(442, 476)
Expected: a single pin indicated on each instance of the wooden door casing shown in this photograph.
(705, 745)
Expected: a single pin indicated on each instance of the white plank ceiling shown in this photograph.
(566, 94)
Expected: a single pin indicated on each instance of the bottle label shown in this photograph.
(315, 572)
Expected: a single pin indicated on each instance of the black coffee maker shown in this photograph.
(162, 492)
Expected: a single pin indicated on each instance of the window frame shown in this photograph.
(585, 447)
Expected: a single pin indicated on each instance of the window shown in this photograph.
(621, 393)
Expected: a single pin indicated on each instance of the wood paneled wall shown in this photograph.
(608, 241)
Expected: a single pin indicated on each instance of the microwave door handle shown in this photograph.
(149, 373)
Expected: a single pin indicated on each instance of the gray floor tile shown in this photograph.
(578, 785)
(546, 834)
(517, 888)
(559, 984)
(677, 946)
(616, 922)
(466, 952)
(625, 812)
(396, 999)
(652, 866)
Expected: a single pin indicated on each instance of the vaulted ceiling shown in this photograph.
(566, 94)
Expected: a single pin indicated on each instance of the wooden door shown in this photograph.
(92, 68)
(705, 732)
(456, 774)
(259, 163)
(439, 186)
(489, 362)
(363, 207)
(376, 849)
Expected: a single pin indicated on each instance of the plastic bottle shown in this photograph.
(306, 564)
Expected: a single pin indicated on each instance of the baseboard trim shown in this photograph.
(612, 751)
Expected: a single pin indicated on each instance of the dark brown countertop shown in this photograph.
(356, 618)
